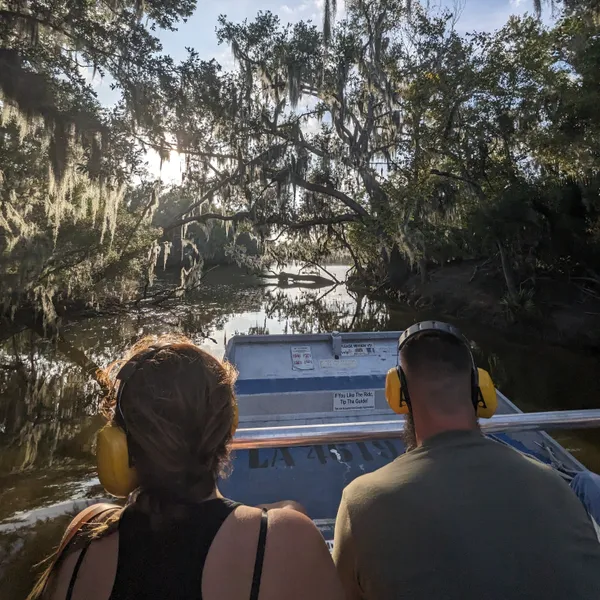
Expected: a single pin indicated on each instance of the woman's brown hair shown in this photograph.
(177, 407)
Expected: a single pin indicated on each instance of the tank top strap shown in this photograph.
(260, 555)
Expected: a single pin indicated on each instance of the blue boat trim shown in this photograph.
(315, 475)
(251, 387)
(520, 446)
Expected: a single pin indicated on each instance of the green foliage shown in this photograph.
(521, 305)
(66, 163)
(387, 136)
(403, 135)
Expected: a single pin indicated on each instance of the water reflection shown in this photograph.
(48, 405)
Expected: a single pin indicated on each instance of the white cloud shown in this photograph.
(91, 78)
(319, 7)
(309, 10)
(311, 126)
(225, 59)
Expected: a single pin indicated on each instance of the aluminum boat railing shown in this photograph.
(305, 435)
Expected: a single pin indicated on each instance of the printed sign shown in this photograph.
(326, 527)
(302, 358)
(355, 400)
(359, 349)
(342, 363)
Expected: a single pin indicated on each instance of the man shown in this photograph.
(460, 516)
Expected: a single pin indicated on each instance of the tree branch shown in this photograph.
(272, 220)
(333, 192)
(171, 148)
(453, 176)
(219, 184)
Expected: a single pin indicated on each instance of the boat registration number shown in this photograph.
(359, 349)
(353, 400)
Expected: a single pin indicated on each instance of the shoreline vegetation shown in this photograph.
(558, 311)
(457, 171)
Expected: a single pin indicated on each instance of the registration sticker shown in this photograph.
(359, 349)
(302, 358)
(354, 400)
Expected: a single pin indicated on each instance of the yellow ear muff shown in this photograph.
(486, 405)
(112, 456)
(488, 401)
(393, 392)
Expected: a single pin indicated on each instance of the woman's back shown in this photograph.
(196, 558)
(173, 413)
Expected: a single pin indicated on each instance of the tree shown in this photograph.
(66, 162)
(394, 139)
(401, 140)
(284, 175)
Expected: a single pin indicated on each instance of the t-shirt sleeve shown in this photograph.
(344, 552)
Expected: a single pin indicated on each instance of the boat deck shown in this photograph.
(326, 379)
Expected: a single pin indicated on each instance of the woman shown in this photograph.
(177, 537)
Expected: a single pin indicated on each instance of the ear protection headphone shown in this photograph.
(483, 392)
(116, 470)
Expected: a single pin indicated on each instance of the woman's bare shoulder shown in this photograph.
(284, 523)
(102, 553)
(300, 561)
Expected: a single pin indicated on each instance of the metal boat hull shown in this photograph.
(273, 392)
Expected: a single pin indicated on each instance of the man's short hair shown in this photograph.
(436, 353)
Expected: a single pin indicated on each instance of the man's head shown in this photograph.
(438, 370)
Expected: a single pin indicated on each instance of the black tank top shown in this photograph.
(169, 564)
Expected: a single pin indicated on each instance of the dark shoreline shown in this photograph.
(559, 312)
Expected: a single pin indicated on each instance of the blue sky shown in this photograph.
(199, 33)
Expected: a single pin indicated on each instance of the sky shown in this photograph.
(199, 33)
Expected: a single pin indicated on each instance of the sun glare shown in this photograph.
(170, 171)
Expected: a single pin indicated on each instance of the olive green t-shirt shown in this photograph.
(465, 517)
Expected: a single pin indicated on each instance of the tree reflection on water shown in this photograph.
(48, 404)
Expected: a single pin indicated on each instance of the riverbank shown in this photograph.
(561, 312)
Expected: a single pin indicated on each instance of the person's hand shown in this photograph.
(285, 504)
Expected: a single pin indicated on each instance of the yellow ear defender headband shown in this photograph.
(484, 397)
(115, 467)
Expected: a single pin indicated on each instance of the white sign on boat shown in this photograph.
(354, 400)
(302, 358)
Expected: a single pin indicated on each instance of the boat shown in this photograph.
(313, 417)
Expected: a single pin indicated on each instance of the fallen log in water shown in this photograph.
(285, 279)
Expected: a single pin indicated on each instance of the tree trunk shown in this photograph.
(423, 270)
(507, 270)
(295, 278)
(398, 268)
